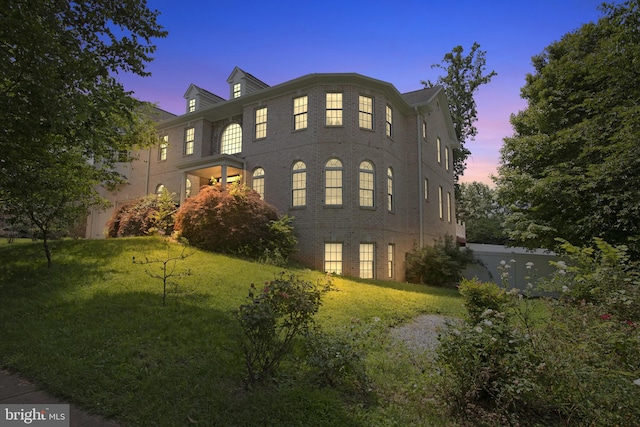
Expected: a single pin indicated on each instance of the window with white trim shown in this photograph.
(333, 109)
(333, 258)
(391, 249)
(299, 184)
(261, 123)
(440, 201)
(333, 182)
(365, 112)
(448, 207)
(162, 150)
(367, 251)
(237, 90)
(191, 106)
(189, 141)
(390, 201)
(231, 139)
(446, 158)
(439, 150)
(300, 110)
(389, 120)
(366, 184)
(257, 182)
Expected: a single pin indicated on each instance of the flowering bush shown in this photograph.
(274, 316)
(578, 365)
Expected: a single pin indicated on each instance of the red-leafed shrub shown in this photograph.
(233, 220)
(152, 213)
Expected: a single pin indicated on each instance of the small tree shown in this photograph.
(167, 270)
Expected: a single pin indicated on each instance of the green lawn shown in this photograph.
(92, 330)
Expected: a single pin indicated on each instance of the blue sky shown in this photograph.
(395, 41)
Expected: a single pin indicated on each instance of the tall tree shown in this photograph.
(465, 75)
(478, 208)
(572, 167)
(65, 120)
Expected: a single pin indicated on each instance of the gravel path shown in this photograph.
(421, 334)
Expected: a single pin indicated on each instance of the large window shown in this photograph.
(231, 139)
(366, 184)
(389, 125)
(261, 123)
(367, 251)
(390, 200)
(189, 139)
(365, 113)
(299, 184)
(334, 109)
(257, 182)
(333, 258)
(333, 182)
(391, 249)
(300, 110)
(162, 151)
(440, 207)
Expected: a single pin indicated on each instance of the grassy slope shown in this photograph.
(92, 330)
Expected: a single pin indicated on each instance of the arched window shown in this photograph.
(258, 182)
(390, 200)
(159, 189)
(366, 184)
(299, 184)
(187, 188)
(231, 139)
(333, 182)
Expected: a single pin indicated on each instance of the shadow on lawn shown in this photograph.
(125, 356)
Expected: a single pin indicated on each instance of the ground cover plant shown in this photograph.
(93, 330)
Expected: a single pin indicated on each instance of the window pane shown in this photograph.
(231, 139)
(189, 141)
(300, 113)
(299, 185)
(390, 260)
(258, 182)
(390, 189)
(366, 184)
(389, 122)
(333, 258)
(333, 109)
(365, 115)
(261, 123)
(366, 260)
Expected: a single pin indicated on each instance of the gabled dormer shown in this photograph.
(198, 98)
(242, 83)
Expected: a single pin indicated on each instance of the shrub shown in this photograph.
(149, 214)
(479, 296)
(274, 316)
(235, 221)
(338, 360)
(438, 265)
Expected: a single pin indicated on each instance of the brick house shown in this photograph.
(366, 171)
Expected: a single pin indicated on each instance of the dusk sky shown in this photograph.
(394, 41)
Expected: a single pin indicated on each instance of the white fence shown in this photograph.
(492, 256)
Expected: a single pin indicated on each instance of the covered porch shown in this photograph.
(218, 169)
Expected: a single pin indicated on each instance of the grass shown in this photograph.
(92, 330)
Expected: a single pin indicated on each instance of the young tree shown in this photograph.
(572, 167)
(66, 121)
(465, 75)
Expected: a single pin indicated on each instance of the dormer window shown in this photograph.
(237, 90)
(191, 106)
